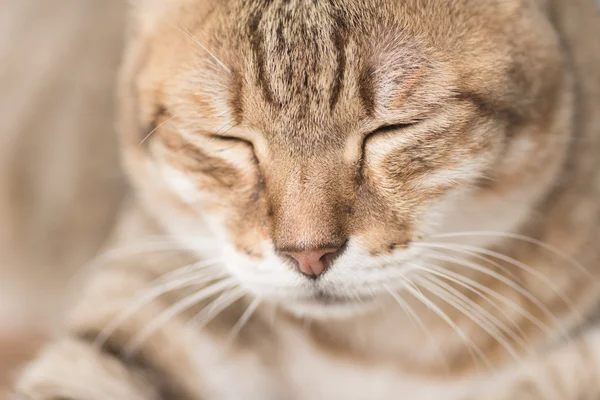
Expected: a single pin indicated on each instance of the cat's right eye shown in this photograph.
(232, 139)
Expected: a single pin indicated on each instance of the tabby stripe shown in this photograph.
(256, 41)
(340, 39)
(235, 101)
(159, 379)
(366, 90)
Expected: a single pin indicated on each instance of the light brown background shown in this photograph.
(60, 184)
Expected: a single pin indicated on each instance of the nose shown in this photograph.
(314, 262)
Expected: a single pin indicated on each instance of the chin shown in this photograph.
(328, 307)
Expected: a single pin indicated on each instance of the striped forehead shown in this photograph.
(300, 66)
(305, 70)
(298, 55)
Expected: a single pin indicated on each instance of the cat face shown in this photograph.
(313, 145)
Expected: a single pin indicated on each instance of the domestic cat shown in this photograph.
(372, 199)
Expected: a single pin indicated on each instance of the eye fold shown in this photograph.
(360, 177)
(393, 127)
(234, 142)
(231, 139)
(226, 138)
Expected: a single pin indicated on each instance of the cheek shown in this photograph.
(237, 214)
(382, 221)
(181, 184)
(404, 182)
(248, 228)
(422, 170)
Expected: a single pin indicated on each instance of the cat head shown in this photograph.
(315, 145)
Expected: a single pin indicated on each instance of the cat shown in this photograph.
(349, 199)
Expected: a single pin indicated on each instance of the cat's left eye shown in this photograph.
(392, 128)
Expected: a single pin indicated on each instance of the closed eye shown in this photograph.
(392, 128)
(381, 130)
(387, 129)
(232, 139)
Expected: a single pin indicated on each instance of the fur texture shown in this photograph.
(449, 155)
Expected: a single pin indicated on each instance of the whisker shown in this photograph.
(133, 250)
(554, 250)
(147, 297)
(408, 282)
(154, 130)
(518, 336)
(406, 308)
(479, 289)
(527, 268)
(225, 132)
(467, 311)
(478, 256)
(513, 285)
(200, 265)
(186, 32)
(416, 321)
(119, 253)
(219, 132)
(490, 324)
(472, 348)
(175, 309)
(211, 311)
(243, 320)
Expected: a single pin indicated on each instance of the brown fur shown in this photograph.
(296, 124)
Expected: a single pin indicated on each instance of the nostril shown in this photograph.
(326, 255)
(314, 262)
(329, 257)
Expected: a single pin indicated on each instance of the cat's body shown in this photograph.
(494, 129)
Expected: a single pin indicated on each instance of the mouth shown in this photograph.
(322, 298)
(322, 305)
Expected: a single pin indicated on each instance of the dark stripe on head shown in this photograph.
(366, 90)
(236, 102)
(340, 40)
(256, 41)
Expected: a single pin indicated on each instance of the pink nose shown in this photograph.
(314, 262)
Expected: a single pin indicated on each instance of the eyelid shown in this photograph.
(226, 138)
(393, 127)
(234, 139)
(382, 129)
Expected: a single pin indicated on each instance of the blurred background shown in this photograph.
(60, 183)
